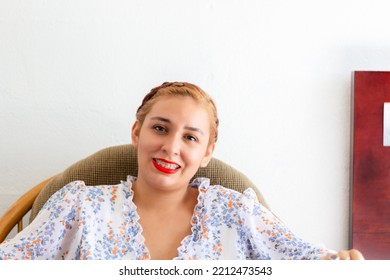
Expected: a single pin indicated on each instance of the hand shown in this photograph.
(345, 255)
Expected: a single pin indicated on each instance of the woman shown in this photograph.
(159, 214)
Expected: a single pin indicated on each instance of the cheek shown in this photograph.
(147, 146)
(194, 157)
(147, 143)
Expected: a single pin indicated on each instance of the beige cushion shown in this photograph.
(111, 165)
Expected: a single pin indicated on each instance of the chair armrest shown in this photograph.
(14, 215)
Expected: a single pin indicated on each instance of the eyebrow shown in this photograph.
(165, 120)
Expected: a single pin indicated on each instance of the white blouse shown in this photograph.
(101, 222)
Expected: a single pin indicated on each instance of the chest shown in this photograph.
(164, 234)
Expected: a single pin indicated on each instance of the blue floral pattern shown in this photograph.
(101, 222)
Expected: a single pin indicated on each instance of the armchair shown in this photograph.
(109, 166)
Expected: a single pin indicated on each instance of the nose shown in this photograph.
(172, 145)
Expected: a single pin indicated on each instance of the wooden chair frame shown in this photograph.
(16, 212)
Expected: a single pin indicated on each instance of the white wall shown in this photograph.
(73, 72)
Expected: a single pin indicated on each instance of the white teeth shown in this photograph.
(167, 165)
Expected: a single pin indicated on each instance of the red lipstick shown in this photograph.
(165, 166)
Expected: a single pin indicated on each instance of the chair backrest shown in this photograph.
(111, 165)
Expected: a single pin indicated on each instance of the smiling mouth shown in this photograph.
(165, 166)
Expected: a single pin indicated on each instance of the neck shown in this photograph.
(155, 199)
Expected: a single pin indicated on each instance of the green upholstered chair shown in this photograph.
(110, 166)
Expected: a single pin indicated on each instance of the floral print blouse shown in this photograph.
(101, 222)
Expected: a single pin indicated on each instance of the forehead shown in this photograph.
(180, 109)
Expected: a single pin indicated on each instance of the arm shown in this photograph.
(51, 232)
(269, 235)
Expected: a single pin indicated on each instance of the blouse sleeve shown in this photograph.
(269, 238)
(54, 233)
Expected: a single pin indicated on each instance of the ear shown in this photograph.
(135, 133)
(209, 153)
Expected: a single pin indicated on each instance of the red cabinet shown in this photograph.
(370, 219)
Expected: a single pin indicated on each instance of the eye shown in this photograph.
(159, 128)
(191, 138)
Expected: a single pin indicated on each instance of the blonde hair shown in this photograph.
(181, 89)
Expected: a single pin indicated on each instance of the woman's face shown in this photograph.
(172, 143)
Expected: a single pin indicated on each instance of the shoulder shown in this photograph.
(223, 196)
(77, 192)
(203, 184)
